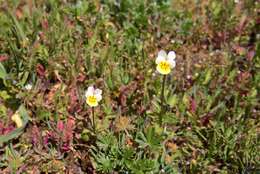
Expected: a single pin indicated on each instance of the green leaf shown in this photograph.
(18, 28)
(172, 100)
(4, 95)
(3, 73)
(207, 77)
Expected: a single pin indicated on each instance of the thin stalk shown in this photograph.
(93, 119)
(162, 100)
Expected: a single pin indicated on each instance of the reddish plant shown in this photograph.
(6, 129)
(36, 136)
(3, 58)
(45, 24)
(65, 133)
(193, 105)
(40, 70)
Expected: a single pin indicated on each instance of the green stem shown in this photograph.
(162, 100)
(93, 119)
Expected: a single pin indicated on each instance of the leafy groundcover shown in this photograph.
(86, 88)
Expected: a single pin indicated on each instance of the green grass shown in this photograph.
(208, 124)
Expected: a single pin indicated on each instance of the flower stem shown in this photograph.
(162, 100)
(93, 119)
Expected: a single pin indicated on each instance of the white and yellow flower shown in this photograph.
(165, 62)
(17, 119)
(93, 96)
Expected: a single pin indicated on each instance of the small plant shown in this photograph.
(165, 63)
(93, 96)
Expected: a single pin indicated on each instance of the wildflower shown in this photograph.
(17, 119)
(28, 86)
(165, 62)
(93, 96)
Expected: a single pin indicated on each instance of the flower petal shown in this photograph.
(98, 91)
(98, 96)
(162, 53)
(159, 59)
(171, 55)
(92, 101)
(163, 68)
(90, 91)
(172, 63)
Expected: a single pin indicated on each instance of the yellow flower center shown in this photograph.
(92, 101)
(164, 67)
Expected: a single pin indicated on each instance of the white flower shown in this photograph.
(165, 62)
(28, 86)
(93, 96)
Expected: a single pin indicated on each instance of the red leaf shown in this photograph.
(74, 102)
(67, 133)
(239, 50)
(242, 24)
(42, 36)
(250, 54)
(3, 58)
(65, 147)
(81, 77)
(35, 135)
(193, 105)
(19, 13)
(205, 119)
(1, 128)
(45, 24)
(40, 70)
(7, 129)
(60, 125)
(69, 130)
(125, 91)
(243, 76)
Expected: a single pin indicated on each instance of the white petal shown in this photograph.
(162, 53)
(98, 96)
(171, 55)
(90, 91)
(172, 63)
(160, 59)
(98, 91)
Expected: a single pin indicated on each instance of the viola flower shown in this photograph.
(17, 119)
(165, 62)
(93, 96)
